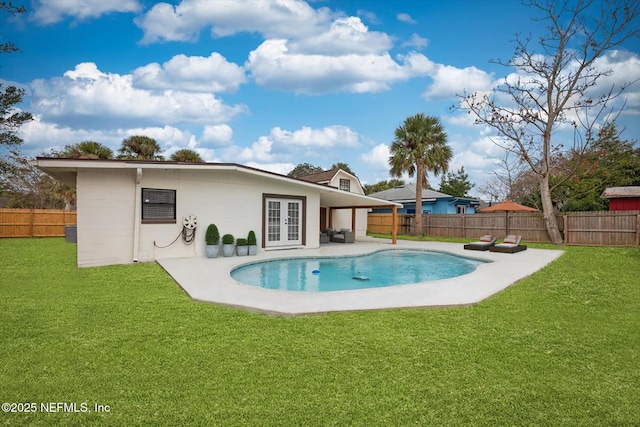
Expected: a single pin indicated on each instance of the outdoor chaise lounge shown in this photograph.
(484, 244)
(344, 236)
(510, 244)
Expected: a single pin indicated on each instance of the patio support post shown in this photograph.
(136, 221)
(353, 219)
(331, 217)
(394, 225)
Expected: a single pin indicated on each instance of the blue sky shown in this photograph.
(270, 84)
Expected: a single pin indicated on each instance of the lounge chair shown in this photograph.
(510, 244)
(486, 242)
(344, 236)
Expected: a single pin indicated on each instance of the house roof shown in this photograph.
(320, 177)
(407, 193)
(621, 192)
(65, 170)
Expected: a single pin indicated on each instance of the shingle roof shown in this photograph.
(320, 177)
(407, 192)
(621, 192)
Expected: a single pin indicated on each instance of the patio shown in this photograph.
(209, 280)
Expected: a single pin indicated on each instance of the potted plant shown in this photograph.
(241, 247)
(212, 239)
(253, 244)
(227, 244)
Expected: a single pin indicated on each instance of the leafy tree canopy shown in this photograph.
(304, 169)
(186, 155)
(345, 167)
(456, 184)
(382, 185)
(86, 150)
(140, 148)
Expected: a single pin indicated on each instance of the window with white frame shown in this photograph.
(158, 206)
(345, 184)
(461, 209)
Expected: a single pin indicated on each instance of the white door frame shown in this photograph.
(284, 233)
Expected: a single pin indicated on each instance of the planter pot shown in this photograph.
(253, 249)
(227, 250)
(242, 250)
(212, 251)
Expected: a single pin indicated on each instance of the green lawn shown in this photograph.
(561, 348)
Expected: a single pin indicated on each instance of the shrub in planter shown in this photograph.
(241, 247)
(212, 239)
(253, 244)
(227, 244)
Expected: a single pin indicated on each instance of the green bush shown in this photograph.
(228, 239)
(241, 242)
(212, 236)
(251, 239)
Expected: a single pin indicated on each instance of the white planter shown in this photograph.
(242, 250)
(253, 249)
(212, 251)
(227, 250)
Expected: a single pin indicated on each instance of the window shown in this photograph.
(158, 206)
(461, 209)
(345, 185)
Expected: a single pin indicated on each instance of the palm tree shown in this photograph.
(420, 146)
(186, 155)
(87, 150)
(140, 148)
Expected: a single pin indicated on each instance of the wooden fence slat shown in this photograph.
(602, 228)
(35, 222)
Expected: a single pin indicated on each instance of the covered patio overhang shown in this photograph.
(334, 199)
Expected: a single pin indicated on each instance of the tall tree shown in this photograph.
(304, 169)
(345, 167)
(140, 148)
(456, 184)
(11, 9)
(557, 86)
(186, 155)
(87, 150)
(420, 146)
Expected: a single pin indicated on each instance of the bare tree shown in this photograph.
(556, 89)
(501, 184)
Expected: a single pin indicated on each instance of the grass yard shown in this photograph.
(560, 348)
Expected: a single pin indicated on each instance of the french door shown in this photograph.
(283, 222)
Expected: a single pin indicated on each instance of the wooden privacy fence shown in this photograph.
(619, 228)
(35, 222)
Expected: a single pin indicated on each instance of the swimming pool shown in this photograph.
(374, 270)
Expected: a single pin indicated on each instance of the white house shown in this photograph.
(131, 211)
(338, 219)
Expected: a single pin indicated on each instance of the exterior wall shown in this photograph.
(632, 204)
(342, 217)
(440, 206)
(105, 212)
(354, 185)
(231, 200)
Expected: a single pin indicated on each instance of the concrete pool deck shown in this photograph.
(209, 279)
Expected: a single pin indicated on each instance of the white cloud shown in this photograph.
(52, 11)
(97, 99)
(330, 136)
(377, 158)
(449, 81)
(416, 41)
(345, 36)
(217, 135)
(405, 17)
(273, 65)
(191, 73)
(271, 18)
(281, 168)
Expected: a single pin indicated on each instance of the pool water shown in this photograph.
(379, 269)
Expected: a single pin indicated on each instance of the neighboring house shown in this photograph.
(433, 202)
(130, 211)
(342, 180)
(623, 198)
